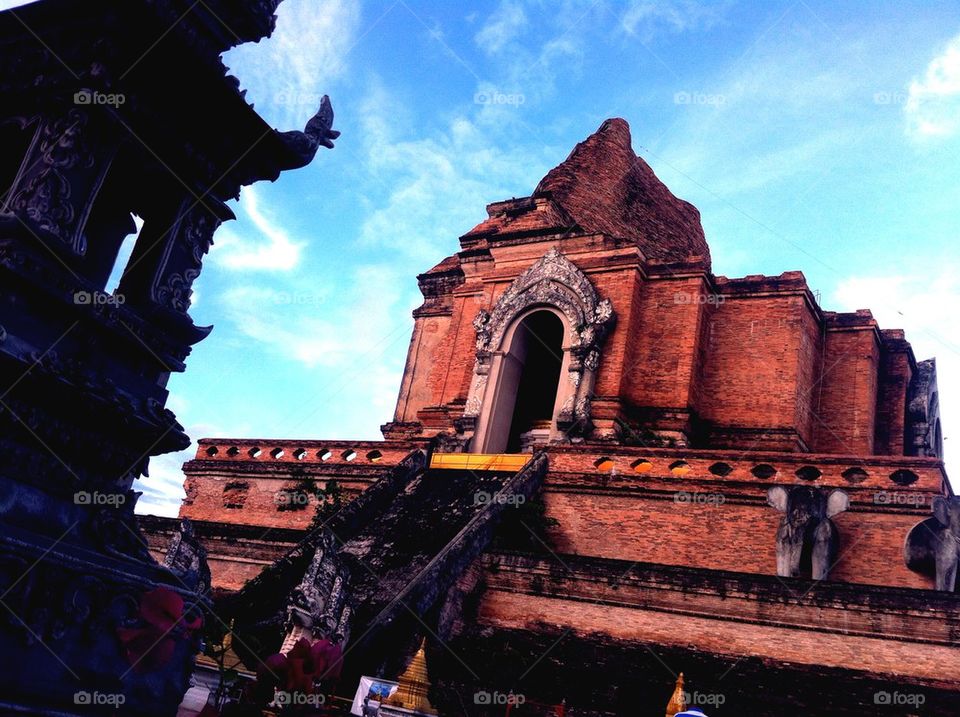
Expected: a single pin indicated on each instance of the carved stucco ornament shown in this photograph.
(556, 282)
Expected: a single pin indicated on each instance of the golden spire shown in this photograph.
(677, 701)
(414, 684)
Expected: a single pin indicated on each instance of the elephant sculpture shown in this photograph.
(807, 526)
(933, 545)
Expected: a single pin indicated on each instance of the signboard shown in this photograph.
(377, 689)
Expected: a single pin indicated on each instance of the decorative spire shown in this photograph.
(677, 701)
(414, 685)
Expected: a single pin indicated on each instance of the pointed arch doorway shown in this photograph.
(511, 340)
(526, 377)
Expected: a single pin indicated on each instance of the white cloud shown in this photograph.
(438, 185)
(291, 324)
(287, 74)
(785, 111)
(272, 250)
(933, 102)
(271, 318)
(503, 26)
(344, 347)
(924, 306)
(646, 17)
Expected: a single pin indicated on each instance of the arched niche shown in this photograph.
(527, 392)
(555, 285)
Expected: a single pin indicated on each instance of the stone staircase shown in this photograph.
(372, 573)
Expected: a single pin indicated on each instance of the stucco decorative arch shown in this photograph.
(553, 281)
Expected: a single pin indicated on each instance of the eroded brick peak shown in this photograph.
(605, 187)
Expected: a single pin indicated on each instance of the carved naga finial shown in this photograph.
(319, 131)
(320, 126)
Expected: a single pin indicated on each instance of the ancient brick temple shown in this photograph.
(608, 466)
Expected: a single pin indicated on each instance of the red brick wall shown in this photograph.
(251, 481)
(620, 287)
(846, 421)
(730, 536)
(260, 503)
(779, 644)
(895, 374)
(664, 342)
(230, 573)
(754, 357)
(698, 519)
(758, 364)
(416, 390)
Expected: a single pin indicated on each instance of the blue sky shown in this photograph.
(818, 136)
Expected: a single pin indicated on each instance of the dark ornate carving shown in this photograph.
(187, 557)
(83, 372)
(319, 604)
(60, 179)
(552, 281)
(175, 281)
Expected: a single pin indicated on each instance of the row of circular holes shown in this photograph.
(763, 471)
(299, 454)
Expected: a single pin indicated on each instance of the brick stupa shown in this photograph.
(577, 356)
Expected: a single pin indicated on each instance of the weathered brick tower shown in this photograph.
(735, 483)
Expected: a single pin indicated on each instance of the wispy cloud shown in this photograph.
(503, 26)
(648, 17)
(437, 185)
(342, 346)
(287, 74)
(298, 324)
(262, 244)
(933, 103)
(292, 331)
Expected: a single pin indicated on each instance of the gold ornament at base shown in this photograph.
(678, 702)
(414, 684)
